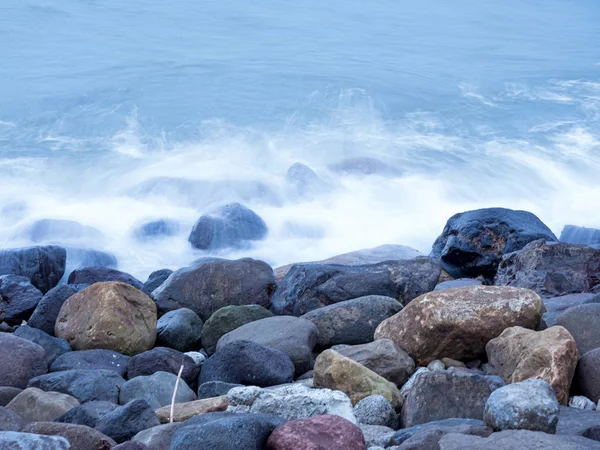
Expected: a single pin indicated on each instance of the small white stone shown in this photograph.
(581, 402)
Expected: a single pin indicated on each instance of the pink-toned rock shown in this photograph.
(317, 433)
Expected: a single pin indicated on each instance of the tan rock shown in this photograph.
(335, 371)
(551, 355)
(184, 411)
(109, 315)
(35, 405)
(458, 323)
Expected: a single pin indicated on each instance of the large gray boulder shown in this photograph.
(92, 360)
(156, 389)
(53, 347)
(516, 440)
(21, 359)
(44, 266)
(180, 329)
(46, 312)
(583, 322)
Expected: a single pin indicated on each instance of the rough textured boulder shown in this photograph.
(44, 266)
(21, 359)
(109, 315)
(230, 226)
(551, 269)
(445, 395)
(334, 371)
(156, 229)
(516, 440)
(124, 422)
(427, 435)
(458, 323)
(163, 359)
(180, 329)
(315, 433)
(213, 283)
(184, 411)
(582, 322)
(572, 234)
(10, 420)
(383, 357)
(35, 405)
(155, 279)
(53, 347)
(376, 436)
(519, 354)
(294, 336)
(91, 275)
(79, 436)
(18, 299)
(527, 405)
(45, 314)
(91, 360)
(376, 410)
(227, 319)
(473, 242)
(88, 414)
(156, 389)
(352, 321)
(28, 441)
(587, 376)
(311, 286)
(248, 363)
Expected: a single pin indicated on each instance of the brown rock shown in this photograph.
(109, 315)
(80, 437)
(317, 433)
(183, 411)
(35, 405)
(449, 362)
(458, 323)
(550, 355)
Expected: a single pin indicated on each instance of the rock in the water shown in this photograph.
(157, 390)
(227, 319)
(303, 182)
(572, 234)
(213, 283)
(458, 323)
(516, 440)
(156, 229)
(364, 165)
(473, 242)
(88, 414)
(53, 347)
(383, 357)
(125, 422)
(155, 279)
(91, 275)
(108, 315)
(583, 322)
(80, 437)
(550, 355)
(427, 435)
(84, 385)
(230, 226)
(587, 377)
(46, 312)
(159, 437)
(314, 433)
(212, 389)
(18, 298)
(21, 360)
(180, 329)
(310, 286)
(248, 363)
(445, 395)
(60, 231)
(13, 440)
(91, 360)
(526, 405)
(352, 321)
(334, 371)
(376, 410)
(184, 411)
(44, 266)
(10, 420)
(461, 282)
(163, 359)
(35, 405)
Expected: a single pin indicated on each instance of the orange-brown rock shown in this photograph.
(184, 411)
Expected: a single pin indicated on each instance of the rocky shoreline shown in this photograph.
(490, 342)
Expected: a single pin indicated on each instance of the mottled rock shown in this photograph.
(45, 314)
(376, 410)
(156, 389)
(21, 359)
(163, 359)
(98, 274)
(187, 410)
(79, 436)
(35, 405)
(91, 360)
(126, 421)
(44, 265)
(53, 347)
(180, 329)
(18, 299)
(581, 402)
(583, 323)
(12, 440)
(376, 435)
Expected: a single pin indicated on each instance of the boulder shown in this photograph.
(108, 315)
(473, 242)
(555, 306)
(212, 389)
(156, 229)
(124, 422)
(376, 410)
(364, 165)
(587, 376)
(92, 360)
(7, 393)
(18, 299)
(45, 314)
(572, 234)
(582, 322)
(293, 336)
(212, 283)
(10, 420)
(84, 385)
(180, 329)
(315, 433)
(79, 436)
(303, 182)
(352, 321)
(155, 279)
(44, 266)
(88, 414)
(334, 371)
(526, 405)
(376, 436)
(248, 363)
(550, 355)
(35, 405)
(21, 359)
(163, 359)
(516, 440)
(446, 395)
(458, 323)
(427, 435)
(383, 357)
(28, 441)
(227, 319)
(187, 410)
(91, 275)
(156, 389)
(53, 347)
(461, 282)
(159, 437)
(310, 286)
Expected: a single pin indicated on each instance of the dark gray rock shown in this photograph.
(429, 437)
(46, 312)
(583, 322)
(156, 229)
(53, 347)
(364, 165)
(212, 389)
(44, 266)
(587, 375)
(576, 421)
(516, 440)
(310, 286)
(10, 420)
(180, 329)
(13, 440)
(88, 414)
(376, 410)
(91, 275)
(230, 226)
(163, 359)
(7, 393)
(461, 282)
(131, 445)
(155, 279)
(293, 336)
(125, 422)
(21, 360)
(555, 306)
(84, 385)
(213, 283)
(352, 321)
(572, 234)
(80, 437)
(156, 389)
(59, 231)
(92, 360)
(18, 299)
(441, 427)
(158, 438)
(248, 363)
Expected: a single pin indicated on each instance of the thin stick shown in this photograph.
(175, 393)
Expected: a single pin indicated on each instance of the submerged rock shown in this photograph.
(364, 165)
(156, 229)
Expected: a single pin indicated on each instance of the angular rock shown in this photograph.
(163, 359)
(156, 390)
(53, 347)
(159, 437)
(109, 315)
(213, 283)
(91, 275)
(79, 436)
(248, 363)
(21, 359)
(156, 229)
(44, 266)
(35, 405)
(310, 286)
(92, 360)
(458, 323)
(515, 440)
(212, 389)
(572, 234)
(293, 336)
(126, 421)
(583, 323)
(376, 410)
(587, 376)
(155, 279)
(180, 329)
(45, 314)
(14, 440)
(88, 414)
(10, 420)
(187, 410)
(550, 355)
(18, 298)
(7, 393)
(428, 434)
